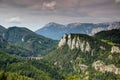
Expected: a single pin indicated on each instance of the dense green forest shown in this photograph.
(110, 36)
(70, 64)
(12, 76)
(26, 42)
(36, 69)
(60, 63)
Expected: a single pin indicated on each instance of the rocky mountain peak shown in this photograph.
(74, 24)
(74, 41)
(51, 24)
(22, 29)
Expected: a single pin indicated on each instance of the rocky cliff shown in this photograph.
(73, 41)
(115, 49)
(99, 65)
(87, 56)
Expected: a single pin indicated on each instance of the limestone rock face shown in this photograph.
(69, 42)
(74, 42)
(99, 65)
(115, 49)
(87, 48)
(83, 67)
(62, 41)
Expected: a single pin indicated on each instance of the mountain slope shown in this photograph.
(52, 30)
(35, 69)
(29, 40)
(85, 56)
(12, 76)
(7, 47)
(2, 30)
(55, 31)
(110, 36)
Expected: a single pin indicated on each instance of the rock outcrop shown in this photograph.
(62, 41)
(99, 65)
(74, 42)
(115, 49)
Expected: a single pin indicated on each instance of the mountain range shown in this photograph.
(56, 31)
(25, 55)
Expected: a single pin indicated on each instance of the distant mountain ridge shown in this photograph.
(55, 31)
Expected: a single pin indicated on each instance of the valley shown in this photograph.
(59, 39)
(76, 56)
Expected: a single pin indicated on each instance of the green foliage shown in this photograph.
(63, 56)
(111, 36)
(37, 70)
(12, 76)
(115, 59)
(29, 40)
(29, 70)
(96, 75)
(108, 42)
(48, 68)
(69, 61)
(6, 59)
(9, 48)
(72, 77)
(60, 63)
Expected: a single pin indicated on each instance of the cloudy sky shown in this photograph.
(34, 14)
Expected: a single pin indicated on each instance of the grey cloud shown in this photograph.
(91, 9)
(24, 3)
(14, 20)
(117, 1)
(58, 4)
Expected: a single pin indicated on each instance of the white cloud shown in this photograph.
(49, 5)
(117, 1)
(14, 20)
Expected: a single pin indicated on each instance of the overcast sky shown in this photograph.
(34, 14)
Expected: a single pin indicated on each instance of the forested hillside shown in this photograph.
(35, 69)
(86, 58)
(76, 57)
(110, 36)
